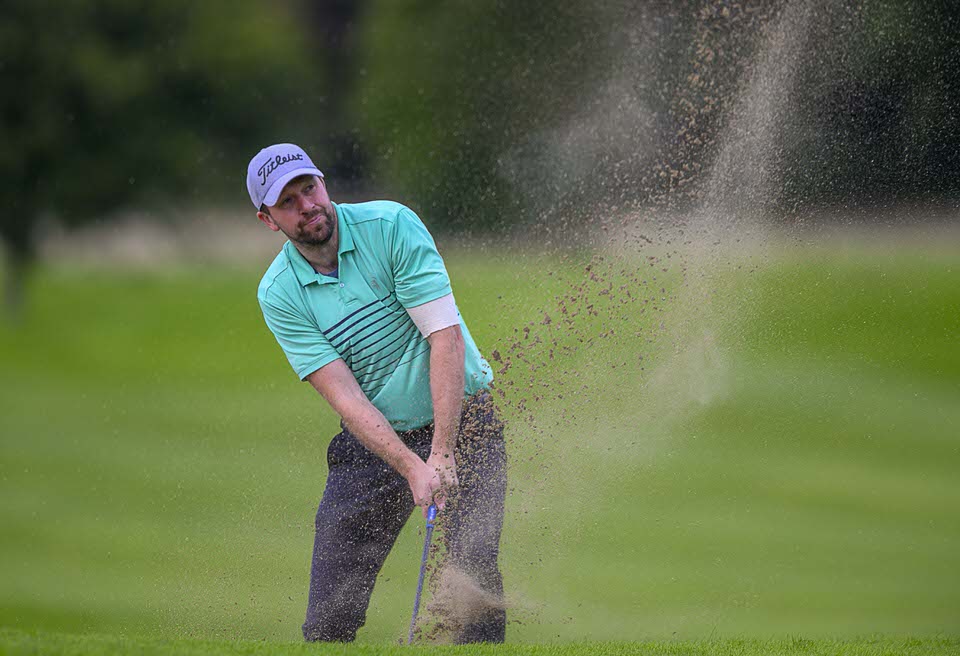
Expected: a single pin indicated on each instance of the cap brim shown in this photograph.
(273, 193)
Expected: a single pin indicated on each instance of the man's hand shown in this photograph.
(445, 466)
(425, 486)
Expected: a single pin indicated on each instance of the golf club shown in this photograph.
(431, 516)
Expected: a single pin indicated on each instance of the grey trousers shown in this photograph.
(365, 505)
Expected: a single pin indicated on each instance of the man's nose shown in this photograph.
(304, 205)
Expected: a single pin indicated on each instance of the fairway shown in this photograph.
(17, 643)
(744, 447)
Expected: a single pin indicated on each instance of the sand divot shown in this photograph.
(457, 601)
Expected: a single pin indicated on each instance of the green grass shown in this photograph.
(767, 447)
(19, 642)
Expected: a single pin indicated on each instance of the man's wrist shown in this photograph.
(442, 445)
(444, 454)
(409, 463)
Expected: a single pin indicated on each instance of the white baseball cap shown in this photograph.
(272, 168)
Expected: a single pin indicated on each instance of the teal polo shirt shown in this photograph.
(387, 262)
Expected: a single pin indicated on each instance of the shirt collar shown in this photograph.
(303, 270)
(343, 234)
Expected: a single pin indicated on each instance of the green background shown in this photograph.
(750, 443)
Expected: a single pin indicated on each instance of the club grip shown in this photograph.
(431, 514)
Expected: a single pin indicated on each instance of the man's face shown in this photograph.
(303, 212)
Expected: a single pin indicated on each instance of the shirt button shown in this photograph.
(341, 284)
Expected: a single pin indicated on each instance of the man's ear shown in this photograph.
(268, 221)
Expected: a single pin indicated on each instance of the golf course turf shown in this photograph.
(748, 454)
(17, 643)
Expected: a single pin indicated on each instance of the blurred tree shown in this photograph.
(879, 123)
(108, 102)
(335, 24)
(447, 89)
(450, 94)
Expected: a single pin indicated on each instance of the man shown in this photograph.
(360, 302)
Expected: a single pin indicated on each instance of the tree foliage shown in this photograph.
(472, 110)
(109, 102)
(625, 103)
(449, 89)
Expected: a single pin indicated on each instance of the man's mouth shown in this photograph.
(316, 219)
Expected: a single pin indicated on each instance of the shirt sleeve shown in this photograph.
(302, 341)
(418, 270)
(435, 315)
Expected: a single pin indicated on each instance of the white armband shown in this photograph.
(435, 315)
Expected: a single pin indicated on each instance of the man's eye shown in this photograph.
(308, 189)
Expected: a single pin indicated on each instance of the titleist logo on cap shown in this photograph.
(271, 165)
(272, 168)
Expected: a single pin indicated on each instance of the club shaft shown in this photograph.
(423, 571)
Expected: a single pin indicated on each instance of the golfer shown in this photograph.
(360, 302)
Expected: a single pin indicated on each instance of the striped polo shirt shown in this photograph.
(387, 262)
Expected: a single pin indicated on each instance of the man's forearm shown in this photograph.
(446, 387)
(337, 385)
(375, 433)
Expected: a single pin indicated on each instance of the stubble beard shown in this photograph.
(308, 236)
